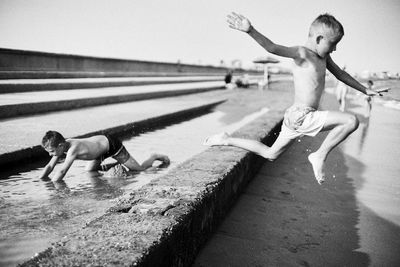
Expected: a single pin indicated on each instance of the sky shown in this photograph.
(196, 31)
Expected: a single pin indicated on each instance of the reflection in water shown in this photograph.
(363, 128)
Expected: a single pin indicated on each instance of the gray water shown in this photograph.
(372, 154)
(34, 212)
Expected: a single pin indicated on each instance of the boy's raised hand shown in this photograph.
(377, 92)
(238, 22)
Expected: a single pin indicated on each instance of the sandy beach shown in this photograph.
(284, 218)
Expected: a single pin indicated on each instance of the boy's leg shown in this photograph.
(128, 161)
(368, 106)
(270, 153)
(343, 94)
(93, 165)
(149, 162)
(340, 125)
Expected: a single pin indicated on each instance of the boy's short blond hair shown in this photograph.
(328, 21)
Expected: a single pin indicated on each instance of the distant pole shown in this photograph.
(265, 60)
(266, 81)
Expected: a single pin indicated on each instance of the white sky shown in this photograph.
(195, 31)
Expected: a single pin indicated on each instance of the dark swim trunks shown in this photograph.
(116, 150)
(114, 146)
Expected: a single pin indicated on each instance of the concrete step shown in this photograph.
(30, 103)
(46, 74)
(20, 137)
(27, 85)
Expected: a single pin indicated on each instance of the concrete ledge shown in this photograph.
(5, 75)
(29, 154)
(166, 222)
(13, 87)
(10, 111)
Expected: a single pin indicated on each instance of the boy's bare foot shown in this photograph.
(217, 140)
(165, 161)
(317, 165)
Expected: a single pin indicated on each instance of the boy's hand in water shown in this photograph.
(239, 22)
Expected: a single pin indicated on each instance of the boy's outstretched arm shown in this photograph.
(69, 159)
(241, 23)
(49, 167)
(346, 78)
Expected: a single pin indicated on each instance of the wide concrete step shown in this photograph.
(26, 85)
(20, 137)
(30, 103)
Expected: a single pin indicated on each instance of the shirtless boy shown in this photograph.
(95, 149)
(303, 117)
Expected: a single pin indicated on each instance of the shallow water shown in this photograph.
(372, 154)
(35, 212)
(391, 99)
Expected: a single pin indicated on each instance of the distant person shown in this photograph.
(341, 92)
(228, 77)
(228, 80)
(94, 149)
(368, 99)
(303, 117)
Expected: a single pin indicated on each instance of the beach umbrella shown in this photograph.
(265, 61)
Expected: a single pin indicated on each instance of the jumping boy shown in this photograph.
(303, 117)
(95, 149)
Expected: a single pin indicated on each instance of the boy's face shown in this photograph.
(326, 43)
(55, 151)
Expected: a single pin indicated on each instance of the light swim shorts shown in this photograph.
(302, 120)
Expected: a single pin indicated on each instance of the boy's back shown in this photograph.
(88, 148)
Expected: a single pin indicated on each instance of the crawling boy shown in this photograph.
(94, 149)
(303, 117)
